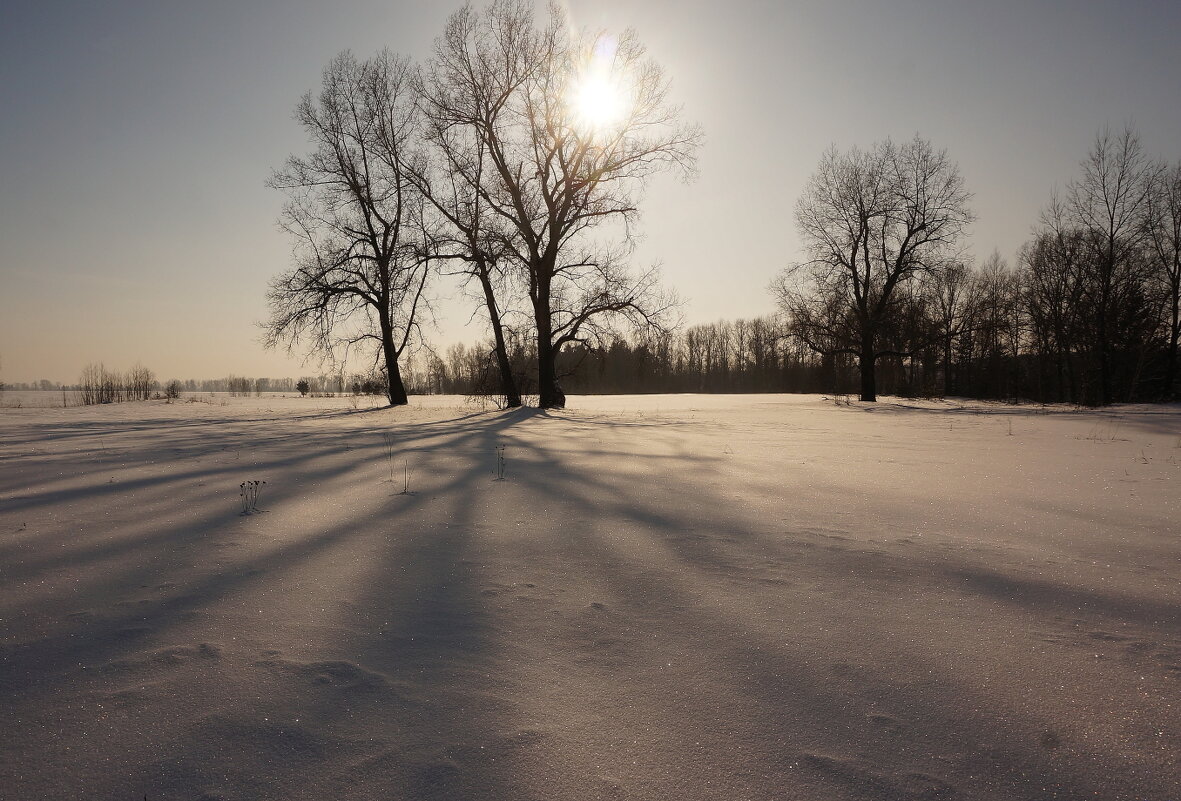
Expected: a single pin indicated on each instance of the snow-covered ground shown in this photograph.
(665, 597)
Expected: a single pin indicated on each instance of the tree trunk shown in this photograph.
(828, 373)
(396, 390)
(508, 382)
(549, 391)
(948, 384)
(1171, 371)
(550, 394)
(868, 383)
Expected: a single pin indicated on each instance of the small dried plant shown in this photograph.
(500, 463)
(389, 454)
(249, 492)
(1104, 431)
(391, 463)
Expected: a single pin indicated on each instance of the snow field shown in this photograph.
(714, 597)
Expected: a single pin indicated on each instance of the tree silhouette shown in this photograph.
(871, 221)
(361, 264)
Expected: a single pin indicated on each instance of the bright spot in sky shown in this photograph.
(598, 97)
(598, 102)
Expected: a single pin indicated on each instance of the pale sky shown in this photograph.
(135, 139)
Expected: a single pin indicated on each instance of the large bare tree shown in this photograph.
(361, 263)
(571, 126)
(871, 222)
(454, 179)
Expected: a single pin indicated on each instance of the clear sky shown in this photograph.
(135, 138)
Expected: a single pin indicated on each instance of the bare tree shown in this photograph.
(97, 385)
(952, 306)
(140, 382)
(871, 221)
(1054, 267)
(1163, 234)
(356, 219)
(997, 324)
(559, 168)
(455, 92)
(1108, 203)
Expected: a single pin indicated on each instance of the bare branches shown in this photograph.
(355, 218)
(528, 181)
(478, 159)
(872, 221)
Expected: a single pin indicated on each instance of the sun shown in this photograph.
(598, 102)
(598, 97)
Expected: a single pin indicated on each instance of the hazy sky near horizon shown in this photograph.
(135, 139)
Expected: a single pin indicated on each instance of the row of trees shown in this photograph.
(242, 385)
(513, 158)
(1089, 315)
(97, 384)
(1100, 284)
(740, 356)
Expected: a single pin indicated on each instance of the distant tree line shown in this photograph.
(1089, 314)
(98, 384)
(43, 385)
(740, 356)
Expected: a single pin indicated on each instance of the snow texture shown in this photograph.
(665, 597)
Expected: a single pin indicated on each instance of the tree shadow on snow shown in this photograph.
(607, 621)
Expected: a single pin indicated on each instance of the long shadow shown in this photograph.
(442, 625)
(1163, 419)
(425, 652)
(997, 742)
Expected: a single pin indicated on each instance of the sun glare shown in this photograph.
(598, 98)
(597, 102)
